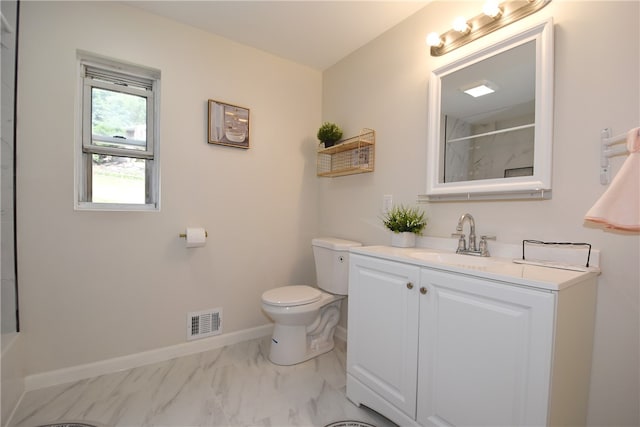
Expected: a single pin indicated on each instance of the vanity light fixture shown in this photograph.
(492, 8)
(460, 25)
(433, 39)
(496, 15)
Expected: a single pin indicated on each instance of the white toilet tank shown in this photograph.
(332, 263)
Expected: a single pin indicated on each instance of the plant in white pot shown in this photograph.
(406, 223)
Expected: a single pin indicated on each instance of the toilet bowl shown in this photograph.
(302, 330)
(305, 317)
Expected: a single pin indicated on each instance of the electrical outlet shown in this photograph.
(387, 203)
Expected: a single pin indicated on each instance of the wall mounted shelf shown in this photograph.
(349, 156)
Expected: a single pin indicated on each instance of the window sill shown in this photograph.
(116, 207)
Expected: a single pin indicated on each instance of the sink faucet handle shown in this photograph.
(462, 244)
(483, 245)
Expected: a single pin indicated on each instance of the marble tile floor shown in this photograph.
(230, 386)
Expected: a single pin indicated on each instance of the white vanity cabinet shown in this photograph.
(432, 347)
(485, 347)
(382, 348)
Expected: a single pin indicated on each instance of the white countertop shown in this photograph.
(495, 268)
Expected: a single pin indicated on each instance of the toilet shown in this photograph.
(306, 317)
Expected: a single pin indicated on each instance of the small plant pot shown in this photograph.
(403, 240)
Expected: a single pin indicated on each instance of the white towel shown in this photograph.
(619, 207)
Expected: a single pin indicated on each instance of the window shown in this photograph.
(118, 161)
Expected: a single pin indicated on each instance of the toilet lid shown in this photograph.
(291, 295)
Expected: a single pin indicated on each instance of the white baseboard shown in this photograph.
(12, 382)
(80, 372)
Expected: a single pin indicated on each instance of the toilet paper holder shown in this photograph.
(184, 235)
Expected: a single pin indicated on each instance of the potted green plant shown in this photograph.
(406, 223)
(329, 133)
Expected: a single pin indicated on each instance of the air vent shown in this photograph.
(203, 324)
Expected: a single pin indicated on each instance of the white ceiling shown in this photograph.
(313, 33)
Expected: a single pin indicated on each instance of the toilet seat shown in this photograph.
(291, 296)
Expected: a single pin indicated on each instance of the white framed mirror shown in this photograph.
(497, 145)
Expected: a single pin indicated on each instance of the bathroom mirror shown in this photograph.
(497, 144)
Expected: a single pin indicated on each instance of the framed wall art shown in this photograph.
(228, 124)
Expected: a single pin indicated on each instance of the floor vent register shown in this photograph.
(204, 324)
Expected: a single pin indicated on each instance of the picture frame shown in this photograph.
(228, 124)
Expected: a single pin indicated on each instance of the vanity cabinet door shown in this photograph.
(485, 352)
(383, 330)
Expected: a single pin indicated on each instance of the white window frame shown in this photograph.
(132, 79)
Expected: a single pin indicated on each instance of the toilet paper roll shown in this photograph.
(196, 237)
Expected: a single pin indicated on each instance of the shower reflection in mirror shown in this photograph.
(489, 125)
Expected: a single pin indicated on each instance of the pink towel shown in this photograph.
(619, 206)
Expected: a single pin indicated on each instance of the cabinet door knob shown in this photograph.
(423, 290)
(409, 285)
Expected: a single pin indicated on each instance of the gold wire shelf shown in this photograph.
(349, 156)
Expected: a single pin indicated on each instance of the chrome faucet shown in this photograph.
(472, 249)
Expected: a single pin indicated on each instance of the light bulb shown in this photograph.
(460, 25)
(492, 8)
(433, 39)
